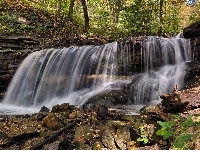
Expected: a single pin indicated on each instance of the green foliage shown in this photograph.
(141, 17)
(181, 139)
(143, 136)
(9, 25)
(195, 14)
(119, 18)
(181, 135)
(166, 131)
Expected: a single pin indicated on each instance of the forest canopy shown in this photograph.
(117, 18)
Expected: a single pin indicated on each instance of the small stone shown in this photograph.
(44, 109)
(102, 111)
(73, 115)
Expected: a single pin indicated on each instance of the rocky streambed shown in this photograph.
(67, 127)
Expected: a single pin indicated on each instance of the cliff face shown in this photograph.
(193, 33)
(12, 52)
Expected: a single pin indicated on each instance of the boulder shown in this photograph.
(60, 108)
(52, 122)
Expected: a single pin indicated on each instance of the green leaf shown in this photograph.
(178, 145)
(198, 123)
(168, 134)
(168, 124)
(189, 117)
(187, 123)
(176, 116)
(183, 138)
(161, 132)
(144, 140)
(141, 128)
(165, 133)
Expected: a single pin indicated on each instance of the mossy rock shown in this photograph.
(52, 122)
(60, 108)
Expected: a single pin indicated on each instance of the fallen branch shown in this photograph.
(69, 126)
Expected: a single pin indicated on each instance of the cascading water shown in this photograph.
(164, 63)
(75, 74)
(71, 75)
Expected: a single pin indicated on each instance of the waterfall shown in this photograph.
(164, 63)
(71, 75)
(75, 74)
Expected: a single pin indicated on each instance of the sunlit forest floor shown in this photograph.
(18, 19)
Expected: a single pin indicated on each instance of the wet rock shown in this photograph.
(82, 146)
(108, 98)
(120, 143)
(60, 108)
(124, 117)
(63, 144)
(102, 111)
(29, 143)
(44, 109)
(52, 146)
(83, 134)
(63, 116)
(73, 114)
(42, 113)
(123, 134)
(19, 130)
(52, 122)
(108, 139)
(3, 135)
(192, 31)
(114, 123)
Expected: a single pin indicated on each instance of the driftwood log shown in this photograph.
(171, 103)
(69, 126)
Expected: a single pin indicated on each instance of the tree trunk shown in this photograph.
(160, 15)
(86, 16)
(71, 8)
(58, 7)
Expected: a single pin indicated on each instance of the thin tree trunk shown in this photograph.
(160, 16)
(58, 7)
(86, 16)
(71, 8)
